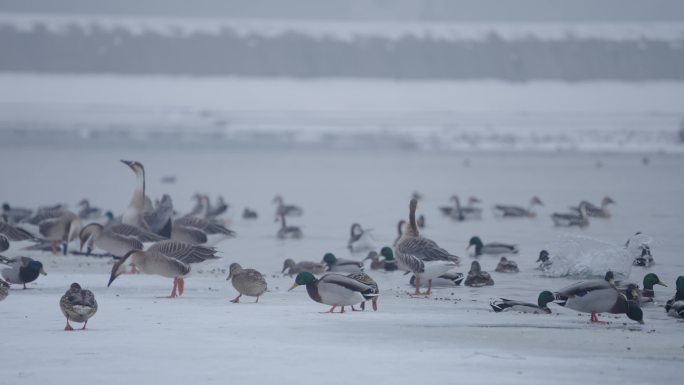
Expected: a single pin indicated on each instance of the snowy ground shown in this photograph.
(450, 338)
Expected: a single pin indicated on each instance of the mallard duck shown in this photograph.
(598, 296)
(462, 213)
(545, 297)
(367, 280)
(544, 261)
(247, 282)
(579, 219)
(645, 259)
(675, 306)
(359, 239)
(296, 268)
(647, 293)
(449, 279)
(288, 231)
(478, 278)
(341, 265)
(334, 289)
(506, 266)
(78, 305)
(249, 214)
(376, 263)
(4, 289)
(420, 255)
(597, 211)
(22, 270)
(286, 210)
(509, 211)
(171, 259)
(490, 248)
(390, 264)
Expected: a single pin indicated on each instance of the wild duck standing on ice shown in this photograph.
(171, 259)
(420, 255)
(376, 263)
(509, 211)
(675, 306)
(506, 266)
(597, 211)
(308, 266)
(367, 280)
(390, 263)
(334, 290)
(545, 297)
(286, 231)
(477, 277)
(359, 239)
(247, 282)
(598, 296)
(341, 265)
(21, 270)
(493, 248)
(571, 219)
(135, 213)
(78, 305)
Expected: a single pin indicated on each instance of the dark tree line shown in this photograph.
(77, 49)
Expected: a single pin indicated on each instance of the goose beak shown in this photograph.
(117, 270)
(127, 162)
(42, 271)
(293, 286)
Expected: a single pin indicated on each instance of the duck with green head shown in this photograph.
(390, 262)
(21, 270)
(675, 306)
(493, 248)
(598, 296)
(545, 297)
(647, 294)
(335, 290)
(341, 265)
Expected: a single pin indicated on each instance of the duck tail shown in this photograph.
(497, 306)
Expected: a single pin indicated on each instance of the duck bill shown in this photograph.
(229, 277)
(661, 283)
(284, 268)
(293, 287)
(42, 271)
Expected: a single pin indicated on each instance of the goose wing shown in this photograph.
(190, 235)
(204, 225)
(14, 233)
(425, 249)
(135, 232)
(183, 252)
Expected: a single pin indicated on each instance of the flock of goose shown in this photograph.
(152, 238)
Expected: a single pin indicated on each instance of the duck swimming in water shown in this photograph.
(509, 211)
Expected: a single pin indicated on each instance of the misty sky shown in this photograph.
(458, 10)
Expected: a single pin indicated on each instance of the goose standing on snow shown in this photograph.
(4, 289)
(478, 278)
(367, 280)
(55, 225)
(88, 212)
(288, 231)
(359, 239)
(304, 266)
(286, 210)
(135, 213)
(508, 211)
(247, 282)
(334, 290)
(117, 239)
(490, 248)
(506, 266)
(571, 219)
(545, 297)
(21, 270)
(171, 259)
(675, 306)
(15, 214)
(78, 305)
(158, 219)
(420, 255)
(341, 265)
(597, 211)
(598, 296)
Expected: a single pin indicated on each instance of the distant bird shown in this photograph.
(135, 213)
(359, 239)
(571, 219)
(367, 280)
(249, 214)
(506, 266)
(21, 270)
(598, 296)
(645, 258)
(544, 260)
(448, 279)
(400, 231)
(213, 232)
(158, 218)
(509, 211)
(218, 209)
(14, 214)
(390, 263)
(288, 231)
(420, 255)
(304, 266)
(286, 210)
(4, 289)
(78, 305)
(545, 297)
(462, 213)
(171, 259)
(675, 306)
(493, 248)
(341, 265)
(335, 290)
(417, 196)
(597, 211)
(168, 179)
(247, 282)
(421, 221)
(54, 225)
(88, 212)
(478, 278)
